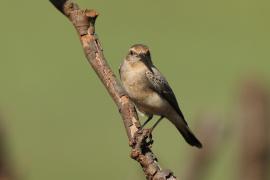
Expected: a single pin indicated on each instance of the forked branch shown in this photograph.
(84, 23)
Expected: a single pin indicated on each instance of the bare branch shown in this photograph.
(254, 131)
(6, 170)
(84, 23)
(211, 131)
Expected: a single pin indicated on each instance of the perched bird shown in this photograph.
(151, 92)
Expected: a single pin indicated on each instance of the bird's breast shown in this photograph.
(134, 80)
(140, 90)
(136, 86)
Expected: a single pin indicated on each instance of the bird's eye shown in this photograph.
(131, 52)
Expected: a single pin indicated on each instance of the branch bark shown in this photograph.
(140, 142)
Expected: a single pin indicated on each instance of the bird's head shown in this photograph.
(139, 53)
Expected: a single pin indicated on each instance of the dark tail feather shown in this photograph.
(189, 137)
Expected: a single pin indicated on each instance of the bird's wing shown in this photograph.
(162, 87)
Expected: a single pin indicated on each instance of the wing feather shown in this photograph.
(162, 87)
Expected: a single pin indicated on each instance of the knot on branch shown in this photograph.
(142, 153)
(69, 7)
(84, 21)
(142, 140)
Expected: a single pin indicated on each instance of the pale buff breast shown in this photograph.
(134, 80)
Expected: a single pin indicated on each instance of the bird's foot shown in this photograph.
(142, 136)
(149, 141)
(148, 137)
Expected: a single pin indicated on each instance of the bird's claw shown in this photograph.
(147, 137)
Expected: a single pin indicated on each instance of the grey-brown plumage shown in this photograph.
(151, 92)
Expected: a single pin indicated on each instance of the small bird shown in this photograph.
(151, 92)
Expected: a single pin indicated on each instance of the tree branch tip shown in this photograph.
(59, 4)
(91, 13)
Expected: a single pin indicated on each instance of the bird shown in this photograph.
(151, 92)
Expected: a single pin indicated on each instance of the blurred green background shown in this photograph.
(52, 103)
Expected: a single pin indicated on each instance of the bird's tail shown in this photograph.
(189, 137)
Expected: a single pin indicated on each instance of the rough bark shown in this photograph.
(140, 142)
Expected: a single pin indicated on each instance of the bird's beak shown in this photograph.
(143, 57)
(147, 61)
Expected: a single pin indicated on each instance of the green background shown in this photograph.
(60, 121)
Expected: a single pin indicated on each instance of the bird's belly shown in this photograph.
(136, 85)
(152, 104)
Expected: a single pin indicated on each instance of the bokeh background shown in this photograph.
(59, 121)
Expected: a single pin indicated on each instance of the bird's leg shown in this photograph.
(147, 120)
(158, 121)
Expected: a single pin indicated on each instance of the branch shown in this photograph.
(6, 170)
(211, 131)
(84, 23)
(254, 131)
